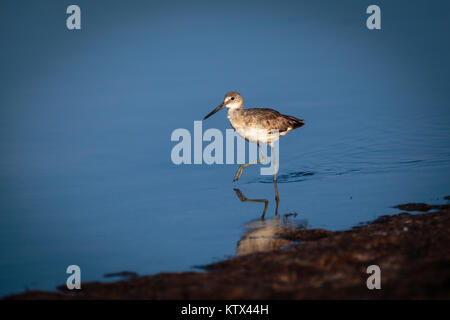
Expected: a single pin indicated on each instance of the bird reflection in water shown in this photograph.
(266, 202)
(266, 234)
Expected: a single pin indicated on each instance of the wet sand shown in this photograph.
(412, 251)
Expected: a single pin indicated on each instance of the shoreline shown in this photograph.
(412, 251)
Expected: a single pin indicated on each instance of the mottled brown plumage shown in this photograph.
(262, 124)
(256, 124)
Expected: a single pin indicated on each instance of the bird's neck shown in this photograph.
(233, 111)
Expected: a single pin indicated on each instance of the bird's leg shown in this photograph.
(244, 199)
(277, 198)
(242, 167)
(263, 158)
(275, 164)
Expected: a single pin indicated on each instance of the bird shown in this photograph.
(259, 125)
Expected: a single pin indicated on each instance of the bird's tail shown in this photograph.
(296, 122)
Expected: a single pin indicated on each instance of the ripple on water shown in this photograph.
(287, 177)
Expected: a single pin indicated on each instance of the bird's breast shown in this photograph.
(248, 128)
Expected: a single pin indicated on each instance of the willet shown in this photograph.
(256, 125)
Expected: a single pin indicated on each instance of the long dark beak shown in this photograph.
(214, 111)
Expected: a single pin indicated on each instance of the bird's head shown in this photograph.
(232, 100)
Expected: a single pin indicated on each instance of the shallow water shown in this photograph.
(86, 176)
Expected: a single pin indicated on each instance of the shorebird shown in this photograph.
(256, 125)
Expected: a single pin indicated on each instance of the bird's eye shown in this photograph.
(232, 98)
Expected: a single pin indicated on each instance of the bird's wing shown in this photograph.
(270, 119)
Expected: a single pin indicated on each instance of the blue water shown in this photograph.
(86, 117)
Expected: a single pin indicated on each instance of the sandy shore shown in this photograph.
(412, 250)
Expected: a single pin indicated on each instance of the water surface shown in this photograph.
(86, 118)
